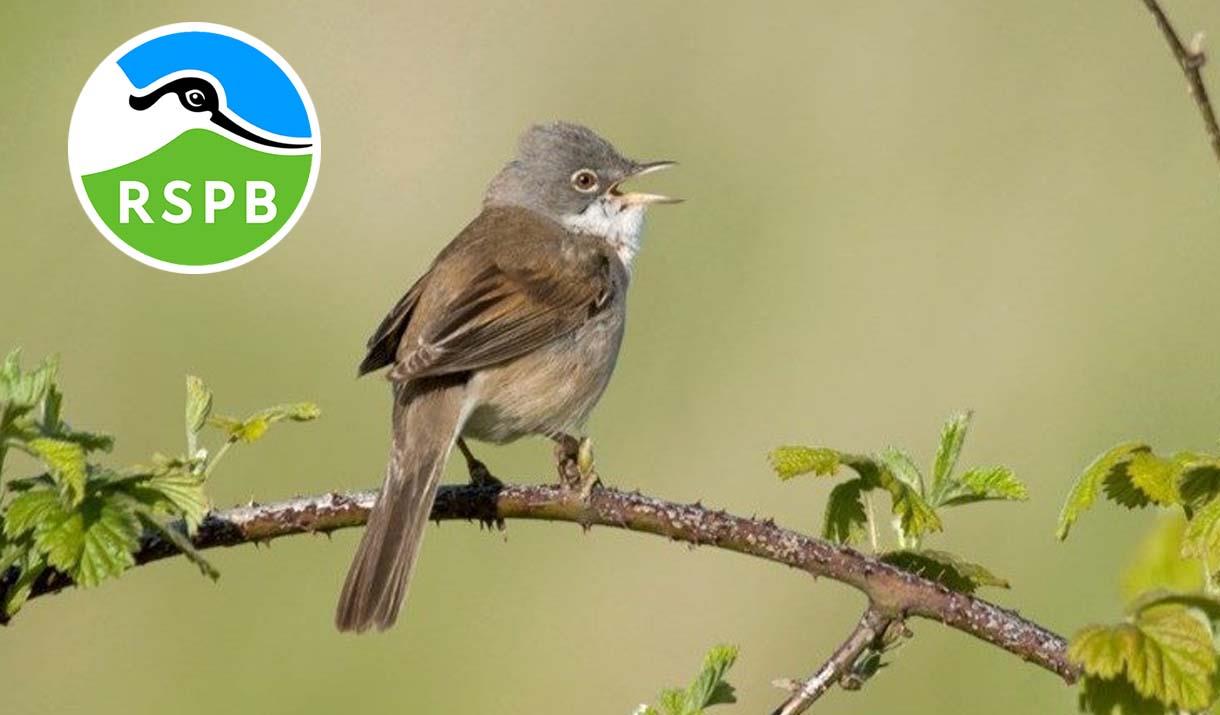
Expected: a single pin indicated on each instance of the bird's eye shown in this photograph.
(194, 97)
(584, 181)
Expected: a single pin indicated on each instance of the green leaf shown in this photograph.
(29, 509)
(31, 567)
(903, 468)
(182, 542)
(254, 427)
(710, 687)
(952, 437)
(296, 412)
(1199, 482)
(1089, 484)
(673, 702)
(845, 520)
(947, 569)
(1158, 563)
(198, 408)
(88, 441)
(20, 391)
(1166, 653)
(176, 493)
(982, 484)
(1155, 476)
(92, 543)
(66, 462)
(792, 461)
(1201, 539)
(915, 516)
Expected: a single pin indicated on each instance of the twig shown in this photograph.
(1191, 59)
(864, 636)
(893, 592)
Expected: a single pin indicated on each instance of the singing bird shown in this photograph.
(514, 330)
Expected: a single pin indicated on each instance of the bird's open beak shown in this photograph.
(638, 198)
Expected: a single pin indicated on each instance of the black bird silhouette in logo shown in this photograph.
(198, 95)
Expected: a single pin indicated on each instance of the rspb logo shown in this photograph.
(194, 148)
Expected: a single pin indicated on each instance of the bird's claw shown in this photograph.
(481, 476)
(575, 465)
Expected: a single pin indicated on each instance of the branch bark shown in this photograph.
(1191, 59)
(892, 592)
(864, 636)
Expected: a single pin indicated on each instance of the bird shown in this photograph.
(514, 330)
(198, 94)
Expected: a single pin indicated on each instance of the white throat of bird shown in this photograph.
(619, 223)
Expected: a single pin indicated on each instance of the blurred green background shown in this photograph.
(897, 210)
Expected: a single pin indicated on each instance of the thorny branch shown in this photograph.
(1191, 58)
(867, 635)
(893, 593)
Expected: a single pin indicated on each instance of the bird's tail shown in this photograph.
(427, 419)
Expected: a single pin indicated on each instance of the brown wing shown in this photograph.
(383, 345)
(510, 284)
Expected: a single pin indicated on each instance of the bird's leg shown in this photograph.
(574, 459)
(480, 475)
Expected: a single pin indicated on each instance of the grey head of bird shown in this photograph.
(571, 175)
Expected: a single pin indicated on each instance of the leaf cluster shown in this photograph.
(1162, 656)
(85, 519)
(916, 501)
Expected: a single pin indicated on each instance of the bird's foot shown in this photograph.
(481, 476)
(574, 459)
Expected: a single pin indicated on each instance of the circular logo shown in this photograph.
(194, 148)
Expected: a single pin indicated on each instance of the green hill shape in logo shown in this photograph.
(196, 156)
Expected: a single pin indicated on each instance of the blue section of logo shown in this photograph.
(255, 88)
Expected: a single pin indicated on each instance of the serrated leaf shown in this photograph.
(915, 516)
(176, 493)
(1199, 481)
(709, 687)
(903, 468)
(66, 462)
(845, 519)
(29, 509)
(793, 461)
(952, 437)
(945, 568)
(1155, 476)
(1157, 562)
(1166, 654)
(198, 405)
(88, 441)
(1090, 482)
(91, 543)
(982, 484)
(21, 392)
(1201, 539)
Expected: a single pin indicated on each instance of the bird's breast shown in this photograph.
(550, 390)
